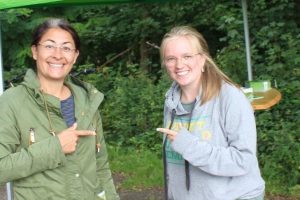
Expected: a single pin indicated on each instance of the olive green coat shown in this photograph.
(39, 170)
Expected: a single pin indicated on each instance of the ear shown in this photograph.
(34, 52)
(75, 56)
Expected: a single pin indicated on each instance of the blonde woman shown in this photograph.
(210, 132)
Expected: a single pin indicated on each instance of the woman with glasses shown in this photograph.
(210, 133)
(51, 139)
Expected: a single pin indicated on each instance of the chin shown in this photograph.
(58, 78)
(182, 81)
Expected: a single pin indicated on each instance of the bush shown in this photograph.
(132, 108)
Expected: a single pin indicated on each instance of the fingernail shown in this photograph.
(157, 129)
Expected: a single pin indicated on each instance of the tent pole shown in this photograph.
(1, 61)
(9, 191)
(8, 185)
(246, 31)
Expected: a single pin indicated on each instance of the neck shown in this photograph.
(57, 89)
(188, 94)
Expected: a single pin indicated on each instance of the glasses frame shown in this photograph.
(52, 47)
(186, 59)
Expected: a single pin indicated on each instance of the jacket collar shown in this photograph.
(91, 94)
(173, 99)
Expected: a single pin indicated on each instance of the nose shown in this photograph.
(179, 63)
(57, 53)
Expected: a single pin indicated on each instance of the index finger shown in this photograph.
(165, 130)
(84, 132)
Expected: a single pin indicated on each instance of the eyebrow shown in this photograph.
(184, 54)
(49, 40)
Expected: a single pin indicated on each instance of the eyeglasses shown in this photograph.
(186, 59)
(51, 48)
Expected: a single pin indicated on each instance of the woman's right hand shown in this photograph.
(69, 138)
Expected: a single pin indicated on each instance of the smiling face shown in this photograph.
(183, 62)
(53, 60)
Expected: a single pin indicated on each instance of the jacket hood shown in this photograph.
(173, 96)
(173, 99)
(87, 97)
(31, 81)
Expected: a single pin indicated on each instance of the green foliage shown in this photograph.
(15, 51)
(132, 109)
(279, 148)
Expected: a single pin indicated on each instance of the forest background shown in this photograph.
(120, 57)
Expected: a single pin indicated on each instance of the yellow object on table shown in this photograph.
(265, 100)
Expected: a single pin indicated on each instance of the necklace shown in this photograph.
(51, 130)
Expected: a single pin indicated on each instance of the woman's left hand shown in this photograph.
(170, 133)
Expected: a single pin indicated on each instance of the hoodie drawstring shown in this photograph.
(186, 163)
(165, 156)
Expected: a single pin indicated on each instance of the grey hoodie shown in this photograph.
(220, 147)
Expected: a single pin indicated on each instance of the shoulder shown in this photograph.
(233, 97)
(83, 90)
(12, 94)
(231, 92)
(82, 86)
(13, 99)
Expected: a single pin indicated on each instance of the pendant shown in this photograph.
(98, 147)
(52, 132)
(31, 136)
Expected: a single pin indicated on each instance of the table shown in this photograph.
(265, 100)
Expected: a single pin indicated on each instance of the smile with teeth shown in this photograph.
(56, 65)
(182, 73)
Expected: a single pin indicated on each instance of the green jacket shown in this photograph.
(40, 170)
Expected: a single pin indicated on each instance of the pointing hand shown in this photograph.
(70, 137)
(170, 133)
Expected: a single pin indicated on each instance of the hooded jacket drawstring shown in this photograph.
(186, 163)
(165, 158)
(51, 130)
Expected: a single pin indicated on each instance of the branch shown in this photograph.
(115, 57)
(152, 45)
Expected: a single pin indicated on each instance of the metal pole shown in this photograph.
(246, 31)
(1, 63)
(9, 191)
(8, 185)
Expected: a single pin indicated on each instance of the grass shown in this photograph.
(137, 169)
(142, 169)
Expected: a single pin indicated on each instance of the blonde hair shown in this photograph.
(212, 77)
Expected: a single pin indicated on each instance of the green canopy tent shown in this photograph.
(8, 4)
(21, 3)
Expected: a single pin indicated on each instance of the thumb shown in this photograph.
(73, 127)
